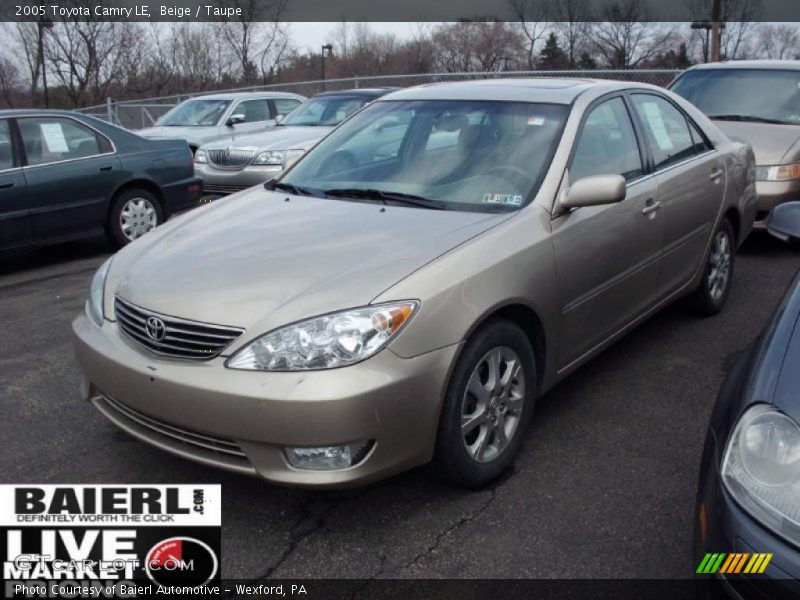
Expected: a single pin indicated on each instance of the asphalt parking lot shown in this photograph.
(603, 487)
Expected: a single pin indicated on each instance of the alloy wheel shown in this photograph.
(492, 404)
(720, 261)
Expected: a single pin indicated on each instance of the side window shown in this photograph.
(607, 144)
(6, 150)
(48, 139)
(699, 141)
(253, 110)
(666, 130)
(283, 106)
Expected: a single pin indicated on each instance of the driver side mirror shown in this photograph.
(784, 222)
(595, 191)
(279, 118)
(235, 119)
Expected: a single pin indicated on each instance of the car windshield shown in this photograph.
(325, 110)
(759, 95)
(453, 154)
(195, 113)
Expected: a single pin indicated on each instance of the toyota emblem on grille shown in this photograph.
(156, 330)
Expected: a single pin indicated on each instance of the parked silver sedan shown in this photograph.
(228, 166)
(216, 116)
(350, 323)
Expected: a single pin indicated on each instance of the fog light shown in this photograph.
(328, 458)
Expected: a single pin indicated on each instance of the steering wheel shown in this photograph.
(515, 174)
(341, 160)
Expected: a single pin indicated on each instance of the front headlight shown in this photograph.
(278, 158)
(326, 342)
(94, 305)
(200, 156)
(778, 172)
(761, 469)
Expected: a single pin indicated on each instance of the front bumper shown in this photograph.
(729, 529)
(223, 181)
(241, 420)
(771, 194)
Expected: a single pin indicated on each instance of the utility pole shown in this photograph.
(329, 49)
(43, 23)
(716, 29)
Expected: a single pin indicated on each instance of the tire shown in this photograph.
(133, 213)
(475, 456)
(710, 296)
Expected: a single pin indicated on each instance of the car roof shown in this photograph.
(750, 64)
(372, 92)
(561, 90)
(29, 112)
(241, 95)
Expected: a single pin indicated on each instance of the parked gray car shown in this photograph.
(207, 118)
(228, 166)
(347, 324)
(757, 101)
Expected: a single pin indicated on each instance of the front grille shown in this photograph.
(213, 188)
(180, 338)
(230, 158)
(207, 447)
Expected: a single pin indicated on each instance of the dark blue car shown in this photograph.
(747, 526)
(64, 176)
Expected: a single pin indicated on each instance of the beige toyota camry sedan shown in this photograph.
(405, 292)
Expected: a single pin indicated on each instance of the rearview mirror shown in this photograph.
(784, 222)
(594, 191)
(235, 119)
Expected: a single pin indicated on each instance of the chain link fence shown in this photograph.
(137, 114)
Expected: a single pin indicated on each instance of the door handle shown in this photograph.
(716, 173)
(6, 185)
(651, 206)
(106, 168)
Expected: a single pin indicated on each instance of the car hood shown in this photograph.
(169, 132)
(277, 138)
(770, 142)
(262, 259)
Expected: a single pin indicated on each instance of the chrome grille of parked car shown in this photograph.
(230, 158)
(214, 188)
(180, 338)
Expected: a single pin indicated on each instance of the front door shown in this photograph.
(15, 224)
(607, 257)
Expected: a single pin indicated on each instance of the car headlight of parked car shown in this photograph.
(326, 342)
(278, 158)
(94, 305)
(200, 156)
(761, 469)
(778, 172)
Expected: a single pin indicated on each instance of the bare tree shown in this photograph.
(627, 39)
(572, 24)
(27, 51)
(477, 46)
(532, 22)
(9, 82)
(779, 42)
(258, 39)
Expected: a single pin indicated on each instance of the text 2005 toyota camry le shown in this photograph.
(346, 324)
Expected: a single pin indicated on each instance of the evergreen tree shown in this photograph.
(552, 56)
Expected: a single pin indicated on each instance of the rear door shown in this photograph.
(15, 225)
(71, 171)
(607, 257)
(691, 178)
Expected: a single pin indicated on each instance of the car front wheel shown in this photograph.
(488, 405)
(134, 213)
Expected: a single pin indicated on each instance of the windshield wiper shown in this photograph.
(399, 197)
(750, 118)
(273, 185)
